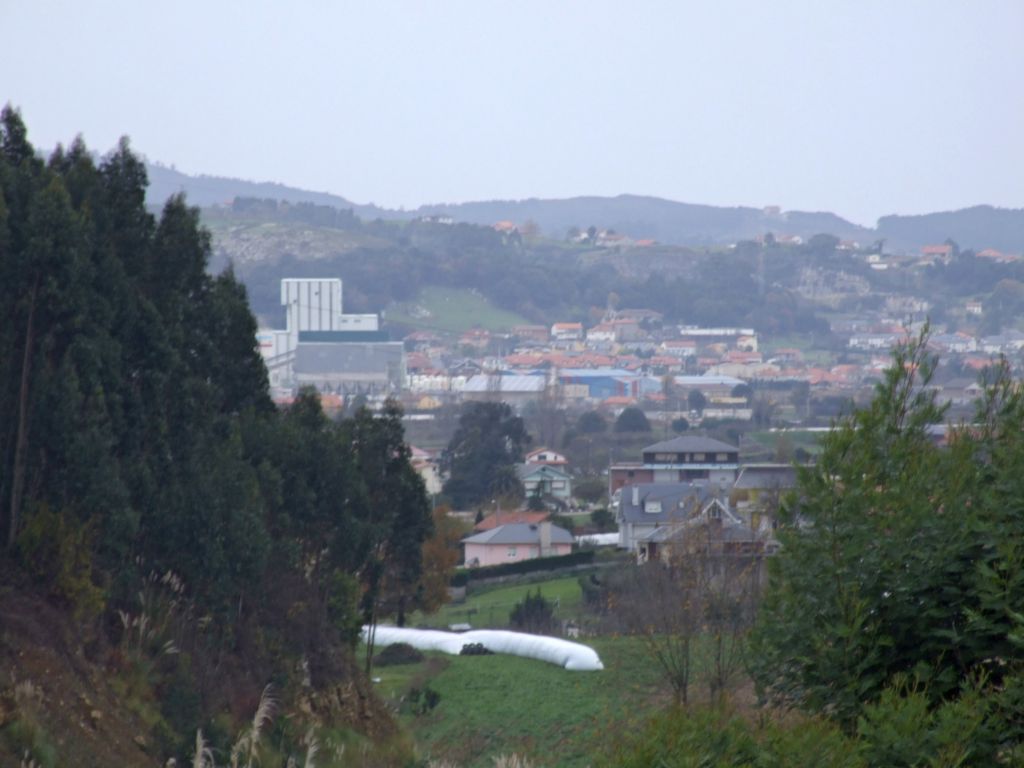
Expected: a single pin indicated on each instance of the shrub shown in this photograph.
(421, 702)
(56, 548)
(475, 649)
(464, 576)
(399, 653)
(533, 614)
(685, 737)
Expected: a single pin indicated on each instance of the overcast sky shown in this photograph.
(864, 107)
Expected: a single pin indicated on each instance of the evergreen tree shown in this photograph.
(901, 560)
(480, 456)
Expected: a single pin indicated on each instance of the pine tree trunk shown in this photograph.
(18, 471)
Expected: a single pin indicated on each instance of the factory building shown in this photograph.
(323, 347)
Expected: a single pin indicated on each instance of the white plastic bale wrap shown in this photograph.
(574, 656)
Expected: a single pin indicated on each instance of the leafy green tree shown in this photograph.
(680, 424)
(396, 514)
(603, 519)
(481, 455)
(590, 489)
(632, 419)
(900, 558)
(822, 246)
(591, 423)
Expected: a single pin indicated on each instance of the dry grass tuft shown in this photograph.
(512, 761)
(203, 757)
(248, 743)
(312, 748)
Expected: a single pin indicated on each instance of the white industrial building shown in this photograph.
(323, 347)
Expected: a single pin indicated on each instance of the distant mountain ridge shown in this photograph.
(637, 216)
(978, 227)
(652, 217)
(206, 191)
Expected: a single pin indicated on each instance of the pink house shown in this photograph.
(516, 541)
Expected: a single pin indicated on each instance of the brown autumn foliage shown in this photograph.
(440, 556)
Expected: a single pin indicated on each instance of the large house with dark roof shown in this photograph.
(654, 518)
(681, 459)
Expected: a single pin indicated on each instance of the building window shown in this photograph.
(558, 484)
(653, 507)
(699, 456)
(721, 457)
(511, 551)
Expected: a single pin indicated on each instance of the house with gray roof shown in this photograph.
(658, 521)
(549, 481)
(516, 541)
(680, 460)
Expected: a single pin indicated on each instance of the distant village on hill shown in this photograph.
(666, 379)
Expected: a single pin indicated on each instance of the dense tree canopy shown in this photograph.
(482, 454)
(136, 429)
(632, 419)
(904, 560)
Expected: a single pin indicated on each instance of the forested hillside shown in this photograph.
(539, 279)
(777, 288)
(202, 543)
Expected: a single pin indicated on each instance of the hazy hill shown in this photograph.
(979, 227)
(637, 216)
(206, 191)
(651, 217)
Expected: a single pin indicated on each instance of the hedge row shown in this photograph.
(465, 575)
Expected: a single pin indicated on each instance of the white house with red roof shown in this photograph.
(567, 331)
(546, 456)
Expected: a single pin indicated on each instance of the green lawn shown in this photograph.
(491, 705)
(452, 310)
(489, 608)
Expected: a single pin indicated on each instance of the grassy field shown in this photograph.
(489, 609)
(449, 309)
(491, 705)
(494, 705)
(797, 438)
